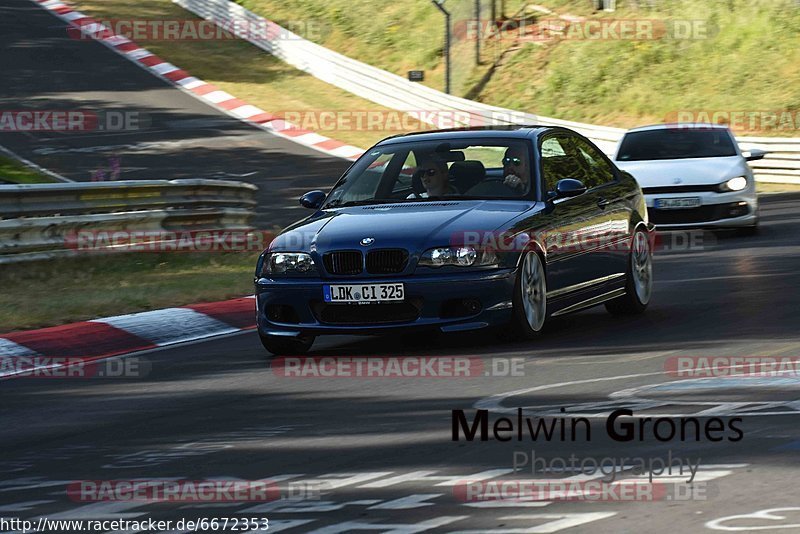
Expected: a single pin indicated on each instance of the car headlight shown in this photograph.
(734, 184)
(458, 257)
(287, 263)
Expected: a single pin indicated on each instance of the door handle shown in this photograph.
(602, 203)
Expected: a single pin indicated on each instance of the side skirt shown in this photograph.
(594, 301)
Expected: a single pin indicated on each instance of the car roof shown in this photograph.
(679, 126)
(482, 132)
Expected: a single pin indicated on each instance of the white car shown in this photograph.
(692, 175)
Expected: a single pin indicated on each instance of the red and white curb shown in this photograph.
(206, 92)
(113, 336)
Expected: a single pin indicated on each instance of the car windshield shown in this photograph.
(440, 170)
(680, 143)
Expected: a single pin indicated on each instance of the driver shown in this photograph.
(434, 178)
(516, 170)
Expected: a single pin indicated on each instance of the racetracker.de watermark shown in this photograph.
(599, 29)
(566, 241)
(545, 490)
(76, 120)
(398, 121)
(73, 367)
(190, 491)
(397, 367)
(580, 240)
(732, 366)
(168, 241)
(200, 30)
(739, 120)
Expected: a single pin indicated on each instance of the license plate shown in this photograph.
(678, 203)
(358, 293)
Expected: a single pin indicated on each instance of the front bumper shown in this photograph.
(717, 210)
(293, 307)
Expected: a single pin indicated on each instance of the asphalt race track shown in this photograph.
(176, 135)
(216, 410)
(375, 454)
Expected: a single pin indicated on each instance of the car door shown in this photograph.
(611, 222)
(569, 218)
(577, 264)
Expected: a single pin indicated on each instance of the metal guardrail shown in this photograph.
(37, 220)
(107, 197)
(781, 165)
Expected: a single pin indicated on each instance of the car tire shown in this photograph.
(287, 346)
(530, 298)
(639, 279)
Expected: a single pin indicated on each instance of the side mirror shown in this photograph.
(755, 154)
(313, 200)
(568, 188)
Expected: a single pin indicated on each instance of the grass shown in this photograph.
(66, 290)
(749, 65)
(14, 172)
(763, 187)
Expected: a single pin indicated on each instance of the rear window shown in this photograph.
(678, 143)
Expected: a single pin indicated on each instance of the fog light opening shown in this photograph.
(461, 308)
(282, 313)
(739, 209)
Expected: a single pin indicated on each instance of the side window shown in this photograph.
(599, 170)
(556, 163)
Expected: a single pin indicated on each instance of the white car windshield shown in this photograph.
(676, 143)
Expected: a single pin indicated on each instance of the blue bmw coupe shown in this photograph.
(459, 230)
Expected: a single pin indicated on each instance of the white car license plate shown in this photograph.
(364, 293)
(678, 203)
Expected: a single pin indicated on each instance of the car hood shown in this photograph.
(412, 226)
(697, 171)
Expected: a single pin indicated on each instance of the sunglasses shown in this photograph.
(512, 161)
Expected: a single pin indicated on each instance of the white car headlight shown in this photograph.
(287, 263)
(735, 184)
(458, 256)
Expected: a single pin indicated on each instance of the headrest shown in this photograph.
(466, 174)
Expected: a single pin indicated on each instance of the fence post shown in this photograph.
(440, 5)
